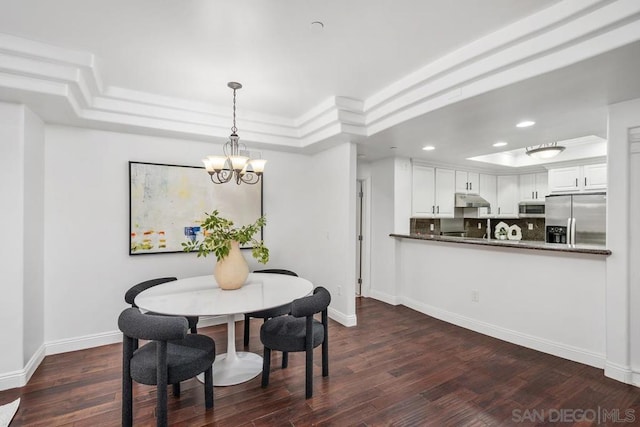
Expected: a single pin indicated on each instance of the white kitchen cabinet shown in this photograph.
(564, 179)
(488, 191)
(432, 192)
(507, 196)
(578, 178)
(423, 191)
(445, 193)
(533, 186)
(467, 182)
(595, 177)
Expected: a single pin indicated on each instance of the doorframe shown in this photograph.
(365, 286)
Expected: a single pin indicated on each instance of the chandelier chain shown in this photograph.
(234, 129)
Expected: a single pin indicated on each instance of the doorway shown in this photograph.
(362, 215)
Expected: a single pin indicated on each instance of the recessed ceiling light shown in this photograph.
(525, 124)
(500, 144)
(428, 148)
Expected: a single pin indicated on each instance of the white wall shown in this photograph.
(332, 231)
(556, 306)
(382, 283)
(21, 257)
(33, 291)
(623, 294)
(87, 265)
(11, 224)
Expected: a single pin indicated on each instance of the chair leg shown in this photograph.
(285, 359)
(161, 381)
(309, 373)
(208, 388)
(266, 366)
(176, 389)
(247, 320)
(194, 330)
(127, 386)
(325, 358)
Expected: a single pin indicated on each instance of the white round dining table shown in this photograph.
(201, 296)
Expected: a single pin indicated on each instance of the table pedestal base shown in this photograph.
(235, 370)
(234, 367)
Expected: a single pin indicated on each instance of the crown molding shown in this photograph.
(561, 35)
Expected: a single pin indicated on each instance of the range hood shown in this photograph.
(470, 201)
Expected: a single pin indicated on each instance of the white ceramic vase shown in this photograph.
(232, 271)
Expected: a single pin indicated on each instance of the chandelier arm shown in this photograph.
(221, 177)
(248, 178)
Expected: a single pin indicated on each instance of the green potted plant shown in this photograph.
(224, 240)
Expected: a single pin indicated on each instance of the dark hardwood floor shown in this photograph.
(397, 367)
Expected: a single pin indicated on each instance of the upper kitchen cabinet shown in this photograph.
(432, 192)
(578, 178)
(423, 191)
(467, 182)
(595, 177)
(507, 197)
(489, 192)
(534, 186)
(445, 193)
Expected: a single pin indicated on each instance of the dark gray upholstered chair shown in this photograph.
(132, 293)
(270, 312)
(299, 331)
(171, 356)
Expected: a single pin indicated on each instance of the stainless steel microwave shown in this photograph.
(531, 209)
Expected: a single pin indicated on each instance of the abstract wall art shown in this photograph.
(167, 204)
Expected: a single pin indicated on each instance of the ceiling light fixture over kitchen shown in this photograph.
(235, 162)
(545, 151)
(500, 144)
(525, 124)
(428, 148)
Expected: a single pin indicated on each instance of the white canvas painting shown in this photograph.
(168, 203)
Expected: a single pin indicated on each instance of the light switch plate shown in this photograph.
(530, 226)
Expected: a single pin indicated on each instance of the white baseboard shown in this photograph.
(112, 337)
(342, 318)
(384, 297)
(83, 342)
(20, 378)
(546, 346)
(621, 373)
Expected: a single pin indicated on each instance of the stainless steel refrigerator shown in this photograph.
(576, 218)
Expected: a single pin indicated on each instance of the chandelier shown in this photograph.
(235, 164)
(545, 151)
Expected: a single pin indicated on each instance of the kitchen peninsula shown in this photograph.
(548, 297)
(519, 244)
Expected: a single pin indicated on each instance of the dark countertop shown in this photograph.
(520, 244)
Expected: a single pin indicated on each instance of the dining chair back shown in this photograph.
(133, 292)
(170, 357)
(270, 312)
(297, 332)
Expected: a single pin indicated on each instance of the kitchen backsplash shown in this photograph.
(423, 226)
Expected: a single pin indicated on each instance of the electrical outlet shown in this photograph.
(530, 226)
(475, 295)
(479, 226)
(431, 227)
